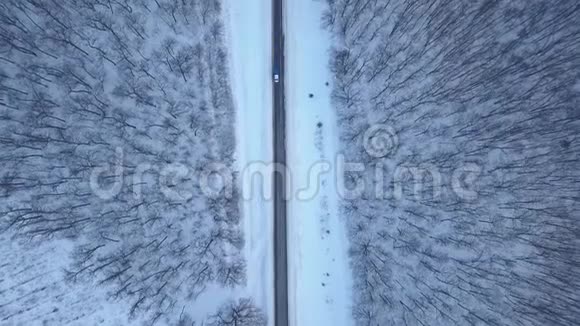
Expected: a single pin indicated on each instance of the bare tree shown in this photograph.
(97, 98)
(485, 83)
(242, 312)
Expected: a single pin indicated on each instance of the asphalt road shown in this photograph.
(279, 179)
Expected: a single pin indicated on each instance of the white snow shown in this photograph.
(319, 273)
(34, 293)
(248, 30)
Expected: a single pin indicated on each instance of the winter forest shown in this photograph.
(109, 111)
(475, 220)
(465, 115)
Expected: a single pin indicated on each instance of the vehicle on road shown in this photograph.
(276, 76)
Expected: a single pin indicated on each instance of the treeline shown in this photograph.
(97, 99)
(493, 85)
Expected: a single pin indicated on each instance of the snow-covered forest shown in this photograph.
(471, 110)
(109, 112)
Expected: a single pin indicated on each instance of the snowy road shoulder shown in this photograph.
(248, 33)
(319, 275)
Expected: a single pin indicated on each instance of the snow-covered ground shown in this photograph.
(32, 291)
(319, 272)
(248, 30)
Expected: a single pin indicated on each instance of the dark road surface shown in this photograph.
(279, 130)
